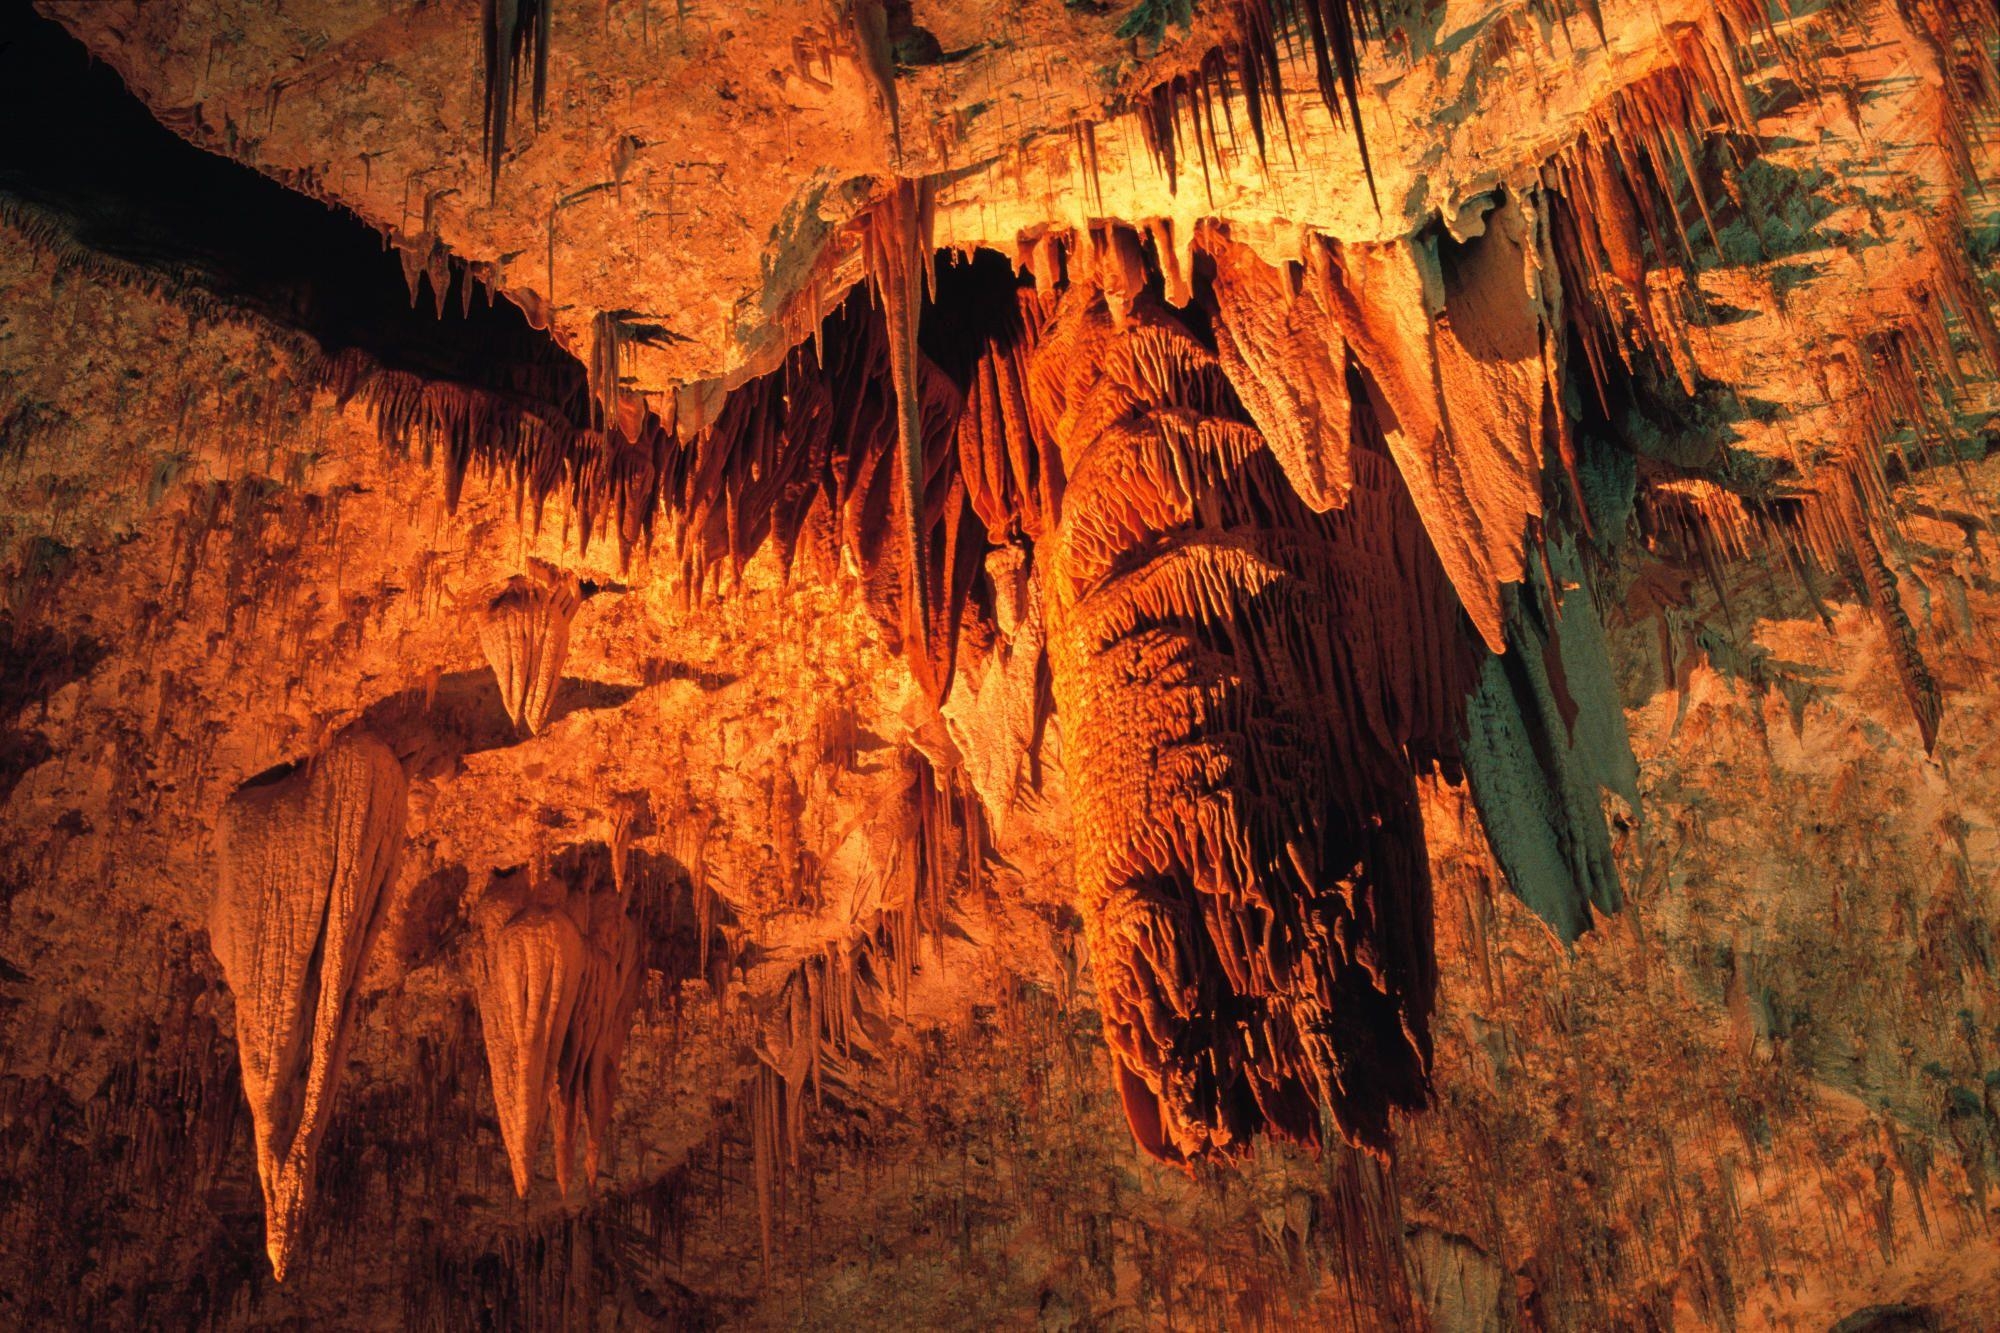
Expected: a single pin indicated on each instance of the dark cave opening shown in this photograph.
(127, 187)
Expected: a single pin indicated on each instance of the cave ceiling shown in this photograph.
(1093, 663)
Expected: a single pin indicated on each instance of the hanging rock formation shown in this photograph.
(1545, 742)
(1404, 590)
(527, 970)
(1287, 359)
(307, 860)
(1243, 685)
(524, 632)
(556, 975)
(996, 720)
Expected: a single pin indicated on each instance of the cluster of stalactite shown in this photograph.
(1251, 61)
(516, 34)
(556, 970)
(830, 1019)
(164, 1122)
(557, 959)
(811, 455)
(1617, 216)
(1959, 39)
(48, 232)
(1243, 685)
(1250, 557)
(307, 859)
(1621, 246)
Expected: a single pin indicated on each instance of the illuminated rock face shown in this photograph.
(1237, 671)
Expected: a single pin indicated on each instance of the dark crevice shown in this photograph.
(126, 187)
(433, 730)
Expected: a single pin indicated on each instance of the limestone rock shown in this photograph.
(307, 859)
(524, 632)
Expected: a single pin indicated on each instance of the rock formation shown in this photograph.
(556, 975)
(524, 632)
(527, 971)
(1250, 662)
(307, 857)
(1242, 685)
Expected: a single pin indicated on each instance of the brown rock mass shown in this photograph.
(306, 856)
(1247, 664)
(524, 632)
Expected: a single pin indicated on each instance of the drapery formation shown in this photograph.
(307, 858)
(556, 973)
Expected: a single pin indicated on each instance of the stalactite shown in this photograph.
(524, 633)
(516, 33)
(593, 1044)
(1287, 357)
(1546, 739)
(868, 30)
(307, 859)
(1253, 58)
(996, 718)
(1452, 340)
(1013, 478)
(526, 972)
(1614, 200)
(899, 252)
(1238, 714)
(556, 972)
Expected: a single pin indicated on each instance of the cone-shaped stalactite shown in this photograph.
(556, 974)
(594, 1042)
(527, 969)
(307, 860)
(1242, 685)
(1287, 358)
(524, 632)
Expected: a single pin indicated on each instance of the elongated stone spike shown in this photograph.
(527, 972)
(306, 861)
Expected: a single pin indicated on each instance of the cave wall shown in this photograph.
(866, 1076)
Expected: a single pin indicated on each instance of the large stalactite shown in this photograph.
(307, 858)
(1242, 685)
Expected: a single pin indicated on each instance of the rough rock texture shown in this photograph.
(1453, 697)
(305, 857)
(526, 973)
(1243, 687)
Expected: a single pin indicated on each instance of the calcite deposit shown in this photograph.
(1090, 663)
